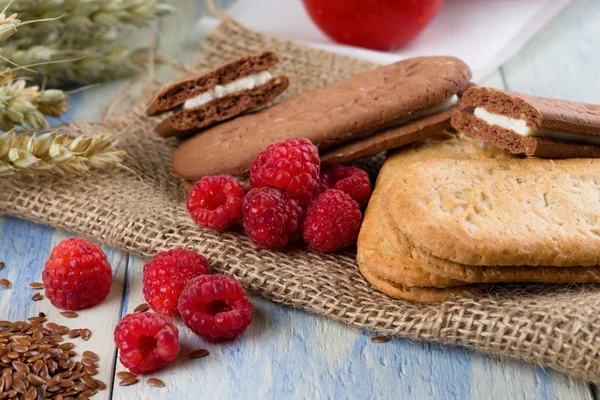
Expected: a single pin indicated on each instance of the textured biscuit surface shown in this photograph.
(377, 247)
(189, 121)
(178, 92)
(501, 212)
(328, 116)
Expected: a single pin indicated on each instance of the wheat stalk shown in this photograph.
(102, 12)
(83, 67)
(28, 106)
(8, 25)
(56, 152)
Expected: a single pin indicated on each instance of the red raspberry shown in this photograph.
(332, 222)
(146, 341)
(215, 307)
(292, 165)
(272, 218)
(215, 202)
(77, 275)
(350, 180)
(165, 277)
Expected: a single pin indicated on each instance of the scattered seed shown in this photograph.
(69, 314)
(73, 333)
(41, 314)
(37, 297)
(198, 353)
(5, 283)
(19, 385)
(66, 346)
(129, 381)
(91, 354)
(88, 362)
(379, 339)
(141, 308)
(89, 381)
(36, 285)
(125, 375)
(2, 265)
(155, 382)
(85, 334)
(36, 380)
(101, 385)
(31, 394)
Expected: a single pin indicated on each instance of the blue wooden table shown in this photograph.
(288, 353)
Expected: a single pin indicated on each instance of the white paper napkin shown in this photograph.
(483, 33)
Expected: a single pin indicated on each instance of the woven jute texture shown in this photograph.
(142, 211)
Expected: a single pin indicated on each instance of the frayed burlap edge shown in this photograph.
(141, 210)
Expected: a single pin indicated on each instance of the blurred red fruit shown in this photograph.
(374, 24)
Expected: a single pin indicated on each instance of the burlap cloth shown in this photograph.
(142, 211)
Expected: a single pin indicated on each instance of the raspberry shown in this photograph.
(77, 275)
(332, 222)
(350, 180)
(271, 218)
(215, 202)
(292, 165)
(146, 341)
(165, 277)
(215, 307)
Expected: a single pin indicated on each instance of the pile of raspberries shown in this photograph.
(177, 282)
(290, 199)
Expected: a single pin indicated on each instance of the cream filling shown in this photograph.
(520, 127)
(446, 104)
(248, 82)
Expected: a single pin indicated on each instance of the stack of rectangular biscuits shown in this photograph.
(450, 216)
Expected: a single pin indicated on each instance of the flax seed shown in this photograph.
(125, 375)
(155, 382)
(5, 283)
(69, 314)
(129, 381)
(85, 334)
(379, 339)
(36, 285)
(141, 308)
(88, 362)
(91, 354)
(73, 333)
(31, 394)
(198, 353)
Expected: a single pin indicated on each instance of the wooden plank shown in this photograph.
(563, 60)
(289, 353)
(25, 247)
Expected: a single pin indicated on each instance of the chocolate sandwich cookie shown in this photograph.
(348, 111)
(529, 125)
(217, 95)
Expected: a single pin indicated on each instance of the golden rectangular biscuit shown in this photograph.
(374, 248)
(501, 213)
(400, 270)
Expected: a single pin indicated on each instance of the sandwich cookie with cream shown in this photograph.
(528, 125)
(218, 94)
(360, 116)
